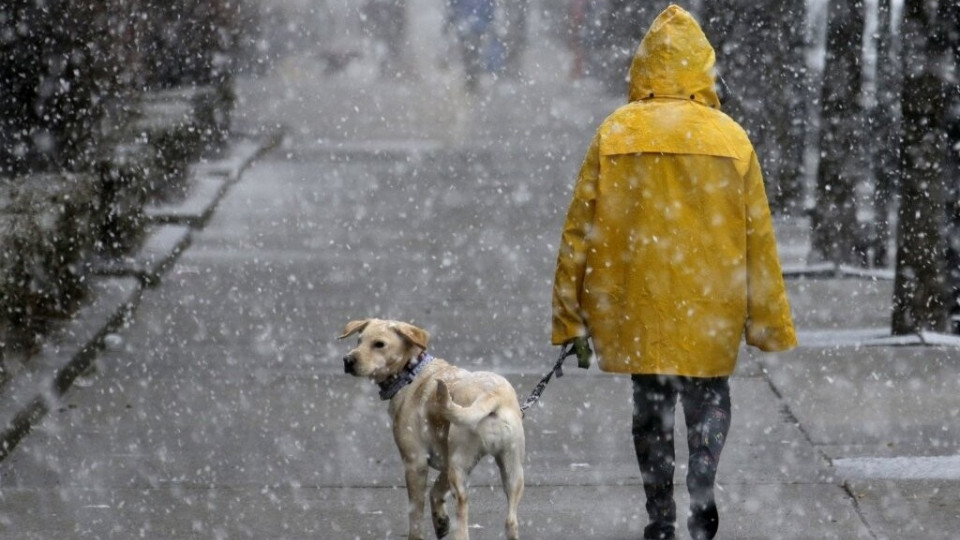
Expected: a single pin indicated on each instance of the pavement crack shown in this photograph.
(845, 486)
(787, 414)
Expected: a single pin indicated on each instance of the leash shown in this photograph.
(557, 369)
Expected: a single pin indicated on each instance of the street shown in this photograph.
(222, 410)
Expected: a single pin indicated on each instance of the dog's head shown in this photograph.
(383, 347)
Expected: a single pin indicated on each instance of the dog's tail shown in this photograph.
(471, 415)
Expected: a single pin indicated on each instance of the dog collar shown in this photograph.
(391, 386)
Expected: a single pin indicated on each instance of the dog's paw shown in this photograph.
(443, 394)
(441, 525)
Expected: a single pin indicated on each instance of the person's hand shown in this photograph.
(581, 346)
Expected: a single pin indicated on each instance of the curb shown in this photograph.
(34, 388)
(160, 248)
(835, 271)
(205, 193)
(210, 181)
(36, 385)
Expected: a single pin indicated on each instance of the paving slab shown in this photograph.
(300, 512)
(578, 435)
(614, 512)
(908, 509)
(140, 453)
(903, 397)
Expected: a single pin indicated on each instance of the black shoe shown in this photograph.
(661, 510)
(704, 522)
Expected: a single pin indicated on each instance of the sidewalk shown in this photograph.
(221, 411)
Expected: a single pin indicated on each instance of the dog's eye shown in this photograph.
(379, 344)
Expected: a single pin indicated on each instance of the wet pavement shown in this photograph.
(221, 410)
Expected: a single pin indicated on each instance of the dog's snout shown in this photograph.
(349, 364)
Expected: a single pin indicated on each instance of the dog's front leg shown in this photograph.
(416, 475)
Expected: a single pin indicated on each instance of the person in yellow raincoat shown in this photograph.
(668, 259)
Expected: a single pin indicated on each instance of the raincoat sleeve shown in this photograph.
(568, 318)
(769, 325)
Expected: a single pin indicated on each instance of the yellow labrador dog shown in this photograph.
(443, 417)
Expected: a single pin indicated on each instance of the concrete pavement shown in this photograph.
(221, 411)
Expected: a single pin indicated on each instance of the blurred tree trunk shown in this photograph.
(953, 171)
(884, 122)
(186, 43)
(21, 61)
(760, 47)
(919, 301)
(788, 107)
(836, 235)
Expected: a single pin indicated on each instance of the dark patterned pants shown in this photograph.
(706, 411)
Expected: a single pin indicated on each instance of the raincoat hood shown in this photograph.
(674, 60)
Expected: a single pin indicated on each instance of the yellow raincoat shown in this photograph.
(668, 253)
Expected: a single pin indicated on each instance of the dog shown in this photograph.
(443, 417)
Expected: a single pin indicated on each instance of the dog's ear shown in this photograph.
(353, 327)
(417, 336)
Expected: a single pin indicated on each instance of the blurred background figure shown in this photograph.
(385, 21)
(515, 13)
(575, 41)
(472, 23)
(584, 36)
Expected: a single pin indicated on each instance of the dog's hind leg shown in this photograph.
(510, 463)
(457, 473)
(438, 511)
(416, 476)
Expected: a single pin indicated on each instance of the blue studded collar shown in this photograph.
(391, 386)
